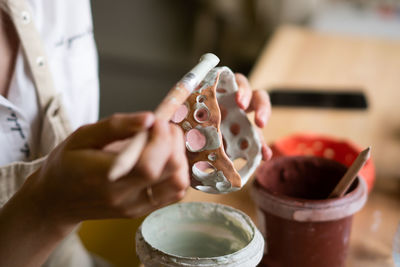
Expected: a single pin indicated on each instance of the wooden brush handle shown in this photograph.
(351, 174)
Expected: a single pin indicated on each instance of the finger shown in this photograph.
(244, 94)
(117, 146)
(155, 155)
(176, 163)
(267, 152)
(171, 189)
(89, 161)
(261, 104)
(178, 158)
(164, 193)
(264, 147)
(113, 128)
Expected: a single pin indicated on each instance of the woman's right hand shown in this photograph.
(73, 185)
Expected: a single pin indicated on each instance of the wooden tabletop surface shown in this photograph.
(298, 57)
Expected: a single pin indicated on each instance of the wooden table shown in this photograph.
(298, 57)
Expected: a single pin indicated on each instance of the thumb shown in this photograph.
(116, 127)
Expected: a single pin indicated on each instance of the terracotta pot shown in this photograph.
(300, 225)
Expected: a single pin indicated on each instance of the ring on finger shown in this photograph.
(150, 196)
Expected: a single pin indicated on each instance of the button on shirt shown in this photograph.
(67, 35)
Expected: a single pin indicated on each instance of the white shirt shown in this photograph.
(67, 33)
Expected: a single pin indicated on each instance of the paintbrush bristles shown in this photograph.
(348, 178)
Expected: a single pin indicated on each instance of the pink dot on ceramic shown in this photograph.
(235, 129)
(201, 115)
(329, 153)
(244, 144)
(180, 114)
(317, 145)
(301, 147)
(205, 166)
(308, 152)
(195, 139)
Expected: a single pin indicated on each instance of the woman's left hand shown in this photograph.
(258, 101)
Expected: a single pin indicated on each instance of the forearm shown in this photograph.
(26, 238)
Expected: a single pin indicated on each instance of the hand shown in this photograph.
(257, 101)
(72, 185)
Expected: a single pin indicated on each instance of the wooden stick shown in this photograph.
(348, 178)
(128, 157)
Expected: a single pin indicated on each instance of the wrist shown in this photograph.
(26, 234)
(33, 205)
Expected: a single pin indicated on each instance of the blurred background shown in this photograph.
(145, 46)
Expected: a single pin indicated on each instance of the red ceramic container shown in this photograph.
(301, 226)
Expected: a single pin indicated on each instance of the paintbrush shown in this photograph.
(348, 178)
(166, 109)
